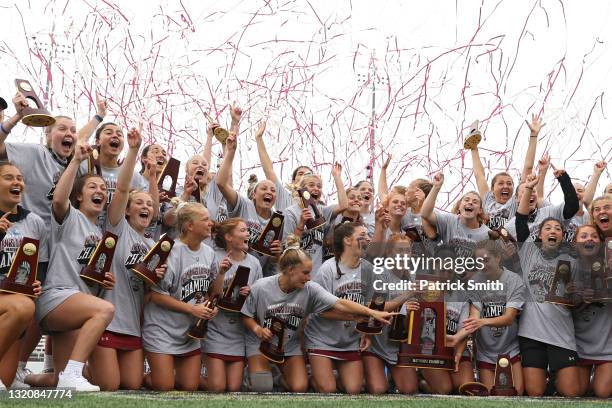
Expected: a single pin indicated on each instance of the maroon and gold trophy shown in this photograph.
(373, 326)
(399, 328)
(307, 201)
(474, 389)
(35, 117)
(93, 162)
(426, 344)
(154, 259)
(473, 138)
(24, 266)
(232, 300)
(557, 292)
(170, 170)
(100, 261)
(602, 288)
(220, 133)
(504, 382)
(199, 329)
(272, 232)
(274, 350)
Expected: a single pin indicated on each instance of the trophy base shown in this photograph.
(474, 389)
(398, 337)
(148, 277)
(471, 142)
(433, 361)
(229, 307)
(221, 134)
(315, 224)
(92, 277)
(198, 331)
(36, 118)
(12, 287)
(364, 329)
(272, 355)
(503, 392)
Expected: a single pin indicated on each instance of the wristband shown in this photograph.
(98, 118)
(6, 132)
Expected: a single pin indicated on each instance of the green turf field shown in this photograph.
(180, 399)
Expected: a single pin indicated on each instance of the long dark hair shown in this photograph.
(342, 231)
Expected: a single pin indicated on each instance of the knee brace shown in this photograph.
(261, 381)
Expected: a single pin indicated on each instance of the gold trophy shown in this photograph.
(35, 117)
(220, 133)
(473, 138)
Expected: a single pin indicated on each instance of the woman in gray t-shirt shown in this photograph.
(290, 297)
(224, 347)
(68, 303)
(118, 361)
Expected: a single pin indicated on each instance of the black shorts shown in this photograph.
(536, 354)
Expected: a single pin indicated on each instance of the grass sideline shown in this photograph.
(182, 399)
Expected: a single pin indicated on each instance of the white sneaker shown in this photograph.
(78, 382)
(19, 381)
(2, 387)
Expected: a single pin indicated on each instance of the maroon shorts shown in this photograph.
(120, 341)
(483, 365)
(583, 362)
(336, 355)
(195, 352)
(225, 357)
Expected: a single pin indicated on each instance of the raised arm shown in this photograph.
(61, 197)
(383, 187)
(341, 191)
(570, 198)
(207, 153)
(479, 172)
(591, 187)
(534, 128)
(266, 163)
(7, 125)
(86, 131)
(543, 165)
(427, 210)
(223, 178)
(116, 208)
(522, 213)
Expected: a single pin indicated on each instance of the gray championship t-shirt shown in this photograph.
(493, 341)
(545, 322)
(128, 293)
(337, 335)
(226, 334)
(284, 197)
(267, 300)
(536, 218)
(311, 240)
(460, 237)
(72, 243)
(110, 178)
(187, 279)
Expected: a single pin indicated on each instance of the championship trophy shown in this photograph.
(93, 162)
(399, 328)
(473, 138)
(220, 133)
(557, 292)
(504, 383)
(272, 232)
(154, 259)
(608, 258)
(232, 300)
(35, 117)
(373, 326)
(426, 344)
(474, 389)
(100, 261)
(598, 284)
(274, 350)
(24, 266)
(171, 169)
(199, 329)
(307, 201)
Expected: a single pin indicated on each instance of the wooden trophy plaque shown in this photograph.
(100, 261)
(602, 292)
(307, 201)
(426, 344)
(274, 350)
(373, 326)
(22, 273)
(557, 292)
(170, 170)
(155, 258)
(200, 328)
(272, 232)
(504, 382)
(93, 162)
(473, 138)
(35, 117)
(232, 300)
